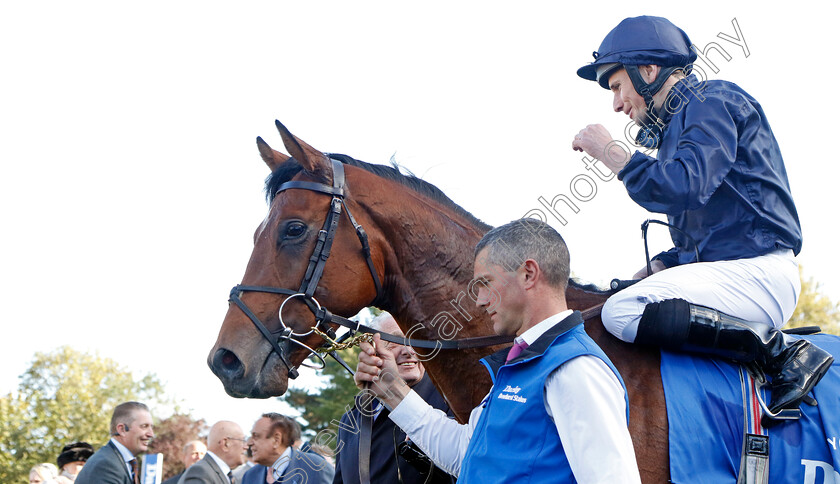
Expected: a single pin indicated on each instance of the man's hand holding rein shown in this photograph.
(377, 373)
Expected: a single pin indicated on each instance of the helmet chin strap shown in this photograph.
(650, 133)
(649, 136)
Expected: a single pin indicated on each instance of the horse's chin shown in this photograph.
(260, 389)
(264, 377)
(265, 384)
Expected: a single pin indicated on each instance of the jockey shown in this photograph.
(719, 177)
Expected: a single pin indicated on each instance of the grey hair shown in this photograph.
(510, 245)
(379, 321)
(189, 445)
(124, 414)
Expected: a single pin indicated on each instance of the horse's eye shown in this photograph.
(294, 230)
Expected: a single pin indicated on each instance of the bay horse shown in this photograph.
(418, 267)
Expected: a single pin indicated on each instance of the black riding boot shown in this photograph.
(794, 365)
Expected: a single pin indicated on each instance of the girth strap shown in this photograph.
(755, 453)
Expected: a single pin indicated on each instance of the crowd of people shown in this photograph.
(274, 451)
(719, 177)
(70, 461)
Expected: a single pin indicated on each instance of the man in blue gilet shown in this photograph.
(557, 411)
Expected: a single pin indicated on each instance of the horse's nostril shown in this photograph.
(228, 358)
(227, 365)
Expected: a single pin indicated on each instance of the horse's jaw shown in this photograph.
(249, 372)
(260, 390)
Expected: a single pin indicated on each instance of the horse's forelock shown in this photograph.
(283, 173)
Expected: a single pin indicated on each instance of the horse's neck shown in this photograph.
(428, 268)
(432, 284)
(582, 299)
(429, 265)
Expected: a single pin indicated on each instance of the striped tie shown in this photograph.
(134, 474)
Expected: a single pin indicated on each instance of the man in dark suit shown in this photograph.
(385, 465)
(116, 462)
(271, 448)
(225, 451)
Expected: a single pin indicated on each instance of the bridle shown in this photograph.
(313, 273)
(323, 317)
(312, 276)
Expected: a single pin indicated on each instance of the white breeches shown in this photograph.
(762, 289)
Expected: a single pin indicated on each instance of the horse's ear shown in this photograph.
(271, 157)
(309, 158)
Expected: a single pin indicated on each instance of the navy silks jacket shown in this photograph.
(719, 176)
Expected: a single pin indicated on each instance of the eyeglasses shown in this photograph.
(391, 346)
(234, 438)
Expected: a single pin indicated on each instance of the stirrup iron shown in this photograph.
(768, 418)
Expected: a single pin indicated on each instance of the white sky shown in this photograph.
(131, 184)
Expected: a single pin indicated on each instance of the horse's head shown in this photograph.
(307, 253)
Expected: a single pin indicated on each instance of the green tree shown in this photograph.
(64, 396)
(13, 437)
(320, 407)
(815, 308)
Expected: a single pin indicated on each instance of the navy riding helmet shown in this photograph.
(638, 41)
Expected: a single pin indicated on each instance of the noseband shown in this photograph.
(314, 271)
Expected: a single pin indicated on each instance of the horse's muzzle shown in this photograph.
(226, 365)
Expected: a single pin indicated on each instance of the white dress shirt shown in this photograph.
(584, 392)
(126, 455)
(282, 462)
(222, 464)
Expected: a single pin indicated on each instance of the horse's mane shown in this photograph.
(290, 168)
(589, 287)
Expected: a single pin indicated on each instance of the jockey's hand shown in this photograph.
(596, 141)
(655, 266)
(377, 372)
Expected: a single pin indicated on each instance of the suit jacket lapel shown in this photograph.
(213, 465)
(292, 460)
(293, 464)
(120, 459)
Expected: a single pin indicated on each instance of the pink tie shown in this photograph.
(515, 350)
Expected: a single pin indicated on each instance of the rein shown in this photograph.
(592, 312)
(312, 277)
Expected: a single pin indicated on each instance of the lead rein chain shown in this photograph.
(334, 345)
